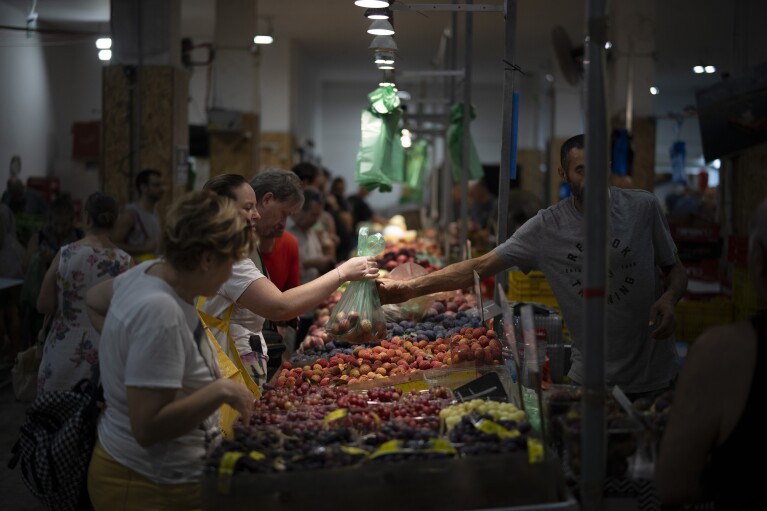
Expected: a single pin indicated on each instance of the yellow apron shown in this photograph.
(231, 368)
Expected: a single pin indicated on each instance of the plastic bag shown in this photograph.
(455, 144)
(380, 158)
(416, 160)
(358, 317)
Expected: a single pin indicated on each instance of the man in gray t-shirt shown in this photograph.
(640, 353)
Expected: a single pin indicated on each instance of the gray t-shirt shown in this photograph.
(146, 227)
(640, 242)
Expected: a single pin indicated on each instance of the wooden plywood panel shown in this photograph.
(236, 152)
(116, 151)
(531, 177)
(554, 180)
(162, 93)
(643, 141)
(749, 186)
(276, 150)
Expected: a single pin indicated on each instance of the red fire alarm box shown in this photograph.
(86, 141)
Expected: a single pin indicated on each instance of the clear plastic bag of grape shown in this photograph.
(358, 317)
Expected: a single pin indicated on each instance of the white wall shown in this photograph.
(27, 121)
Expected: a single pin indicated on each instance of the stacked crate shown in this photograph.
(694, 316)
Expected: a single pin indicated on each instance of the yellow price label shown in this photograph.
(493, 428)
(534, 451)
(443, 446)
(354, 451)
(335, 415)
(226, 470)
(412, 385)
(256, 455)
(389, 447)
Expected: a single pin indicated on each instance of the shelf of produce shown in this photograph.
(497, 482)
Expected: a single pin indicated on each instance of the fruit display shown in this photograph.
(316, 427)
(367, 391)
(416, 252)
(357, 327)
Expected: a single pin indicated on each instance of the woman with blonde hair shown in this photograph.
(161, 380)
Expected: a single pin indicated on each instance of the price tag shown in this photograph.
(412, 385)
(487, 386)
(335, 415)
(478, 292)
(226, 470)
(534, 451)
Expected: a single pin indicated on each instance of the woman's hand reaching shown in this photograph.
(358, 268)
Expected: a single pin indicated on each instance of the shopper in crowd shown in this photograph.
(161, 379)
(138, 228)
(313, 178)
(715, 430)
(71, 346)
(279, 194)
(11, 267)
(361, 210)
(21, 199)
(41, 250)
(314, 259)
(640, 353)
(342, 219)
(254, 297)
(483, 205)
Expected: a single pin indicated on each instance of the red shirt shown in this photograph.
(283, 263)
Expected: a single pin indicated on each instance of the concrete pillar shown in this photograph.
(146, 32)
(235, 89)
(145, 95)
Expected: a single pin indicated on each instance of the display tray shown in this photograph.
(497, 482)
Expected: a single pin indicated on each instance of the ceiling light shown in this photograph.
(386, 84)
(372, 4)
(104, 43)
(406, 138)
(378, 14)
(384, 57)
(381, 27)
(105, 55)
(716, 163)
(710, 69)
(654, 91)
(608, 45)
(698, 69)
(385, 66)
(383, 42)
(263, 39)
(264, 36)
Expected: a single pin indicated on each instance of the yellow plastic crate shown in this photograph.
(695, 316)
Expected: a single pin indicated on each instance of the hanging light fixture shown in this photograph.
(381, 27)
(383, 42)
(388, 79)
(384, 57)
(378, 14)
(267, 36)
(372, 4)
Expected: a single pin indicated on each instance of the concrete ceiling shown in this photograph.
(687, 32)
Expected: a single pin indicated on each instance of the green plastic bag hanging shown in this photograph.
(455, 144)
(415, 168)
(358, 316)
(379, 135)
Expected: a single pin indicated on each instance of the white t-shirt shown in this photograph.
(243, 322)
(309, 247)
(148, 342)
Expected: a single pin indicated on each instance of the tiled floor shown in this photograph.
(14, 495)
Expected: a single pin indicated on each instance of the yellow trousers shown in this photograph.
(114, 487)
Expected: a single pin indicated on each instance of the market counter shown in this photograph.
(503, 481)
